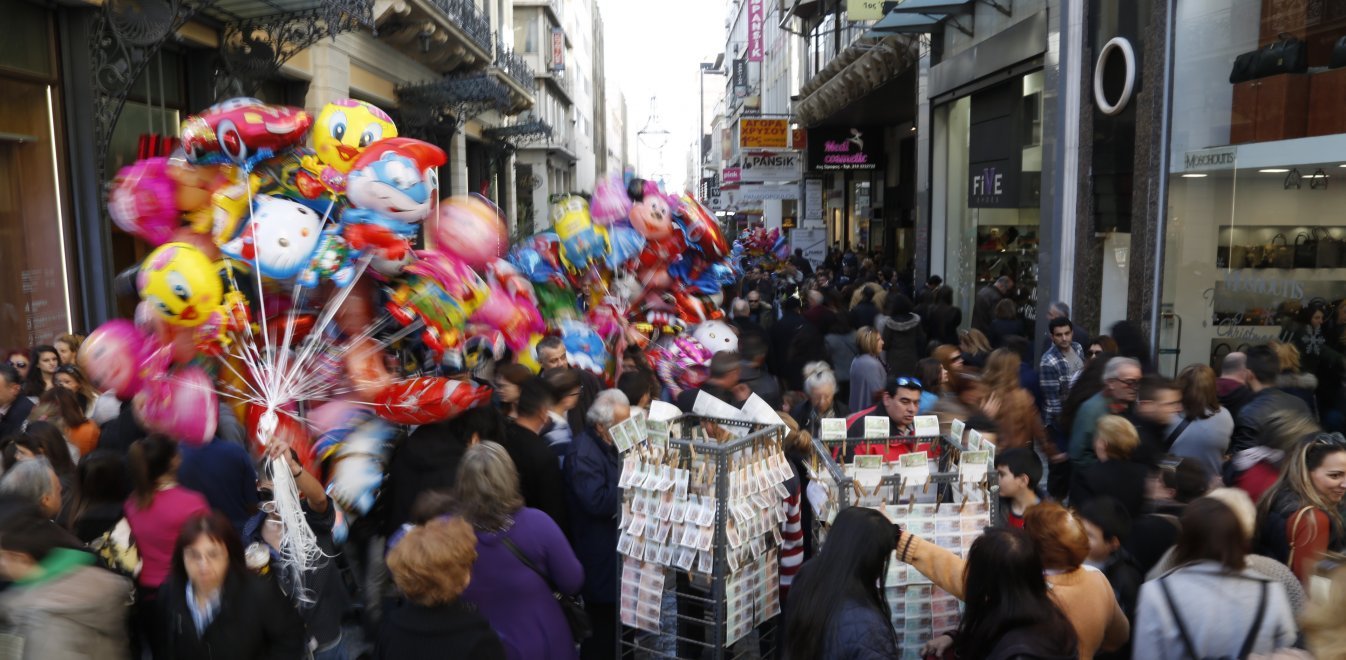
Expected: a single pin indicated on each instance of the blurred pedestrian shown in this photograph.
(867, 371)
(1300, 517)
(1203, 430)
(1011, 406)
(903, 338)
(1115, 474)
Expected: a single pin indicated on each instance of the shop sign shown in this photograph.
(771, 167)
(1205, 160)
(754, 133)
(864, 10)
(558, 49)
(812, 241)
(845, 148)
(995, 155)
(813, 201)
(756, 19)
(732, 175)
(740, 77)
(758, 193)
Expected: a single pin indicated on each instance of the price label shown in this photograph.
(927, 426)
(876, 427)
(833, 428)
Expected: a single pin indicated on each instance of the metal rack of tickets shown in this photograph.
(894, 475)
(700, 532)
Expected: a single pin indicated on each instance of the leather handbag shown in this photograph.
(1288, 55)
(1328, 249)
(1280, 255)
(1244, 66)
(581, 628)
(1338, 58)
(1306, 250)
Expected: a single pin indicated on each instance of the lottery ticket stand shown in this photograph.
(700, 533)
(939, 487)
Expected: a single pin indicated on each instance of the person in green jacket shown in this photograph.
(1120, 378)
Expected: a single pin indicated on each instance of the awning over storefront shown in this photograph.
(932, 7)
(853, 75)
(904, 24)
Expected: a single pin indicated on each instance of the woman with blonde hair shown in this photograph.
(1084, 595)
(1299, 519)
(431, 566)
(523, 558)
(868, 375)
(1291, 379)
(67, 347)
(1115, 474)
(1203, 430)
(976, 347)
(1011, 406)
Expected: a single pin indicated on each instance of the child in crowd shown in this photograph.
(1019, 471)
(1108, 526)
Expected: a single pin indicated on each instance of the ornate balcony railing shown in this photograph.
(469, 19)
(515, 66)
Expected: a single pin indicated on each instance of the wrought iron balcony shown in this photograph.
(561, 81)
(515, 66)
(464, 13)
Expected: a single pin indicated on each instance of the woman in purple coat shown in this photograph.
(513, 597)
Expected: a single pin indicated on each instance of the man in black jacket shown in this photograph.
(1232, 387)
(14, 407)
(725, 371)
(783, 330)
(539, 468)
(1263, 367)
(1158, 402)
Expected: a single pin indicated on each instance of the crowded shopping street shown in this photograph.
(793, 330)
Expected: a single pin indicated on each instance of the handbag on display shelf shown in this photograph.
(1279, 255)
(1327, 253)
(1338, 58)
(1257, 256)
(1238, 257)
(1288, 55)
(1306, 250)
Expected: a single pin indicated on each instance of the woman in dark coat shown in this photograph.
(903, 337)
(942, 321)
(216, 608)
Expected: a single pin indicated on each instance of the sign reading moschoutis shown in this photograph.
(855, 148)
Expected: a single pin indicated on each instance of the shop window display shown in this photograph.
(1255, 247)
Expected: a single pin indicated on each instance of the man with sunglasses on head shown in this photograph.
(1121, 377)
(898, 402)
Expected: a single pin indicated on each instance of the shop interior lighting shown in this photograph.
(1274, 170)
(1194, 176)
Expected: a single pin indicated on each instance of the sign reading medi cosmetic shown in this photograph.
(845, 148)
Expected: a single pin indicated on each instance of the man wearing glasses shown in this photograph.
(1120, 378)
(899, 402)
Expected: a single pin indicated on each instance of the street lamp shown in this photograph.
(652, 135)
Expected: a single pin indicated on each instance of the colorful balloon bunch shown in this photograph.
(287, 282)
(768, 249)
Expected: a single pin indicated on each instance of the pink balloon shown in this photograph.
(610, 202)
(470, 229)
(121, 358)
(182, 406)
(143, 201)
(515, 316)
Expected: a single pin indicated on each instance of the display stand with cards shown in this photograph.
(948, 500)
(701, 513)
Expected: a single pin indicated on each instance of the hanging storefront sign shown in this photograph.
(854, 148)
(864, 10)
(995, 155)
(732, 175)
(740, 78)
(813, 202)
(760, 193)
(1207, 160)
(763, 133)
(558, 49)
(756, 19)
(771, 167)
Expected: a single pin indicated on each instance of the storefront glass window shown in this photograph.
(26, 46)
(990, 157)
(1256, 241)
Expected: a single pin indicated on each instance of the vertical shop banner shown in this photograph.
(756, 19)
(740, 77)
(813, 202)
(558, 49)
(812, 241)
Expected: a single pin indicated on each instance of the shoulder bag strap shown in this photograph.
(1177, 431)
(514, 549)
(1182, 627)
(1257, 623)
(1294, 527)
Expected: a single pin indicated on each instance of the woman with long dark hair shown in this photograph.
(1009, 612)
(837, 608)
(214, 607)
(57, 452)
(42, 365)
(103, 488)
